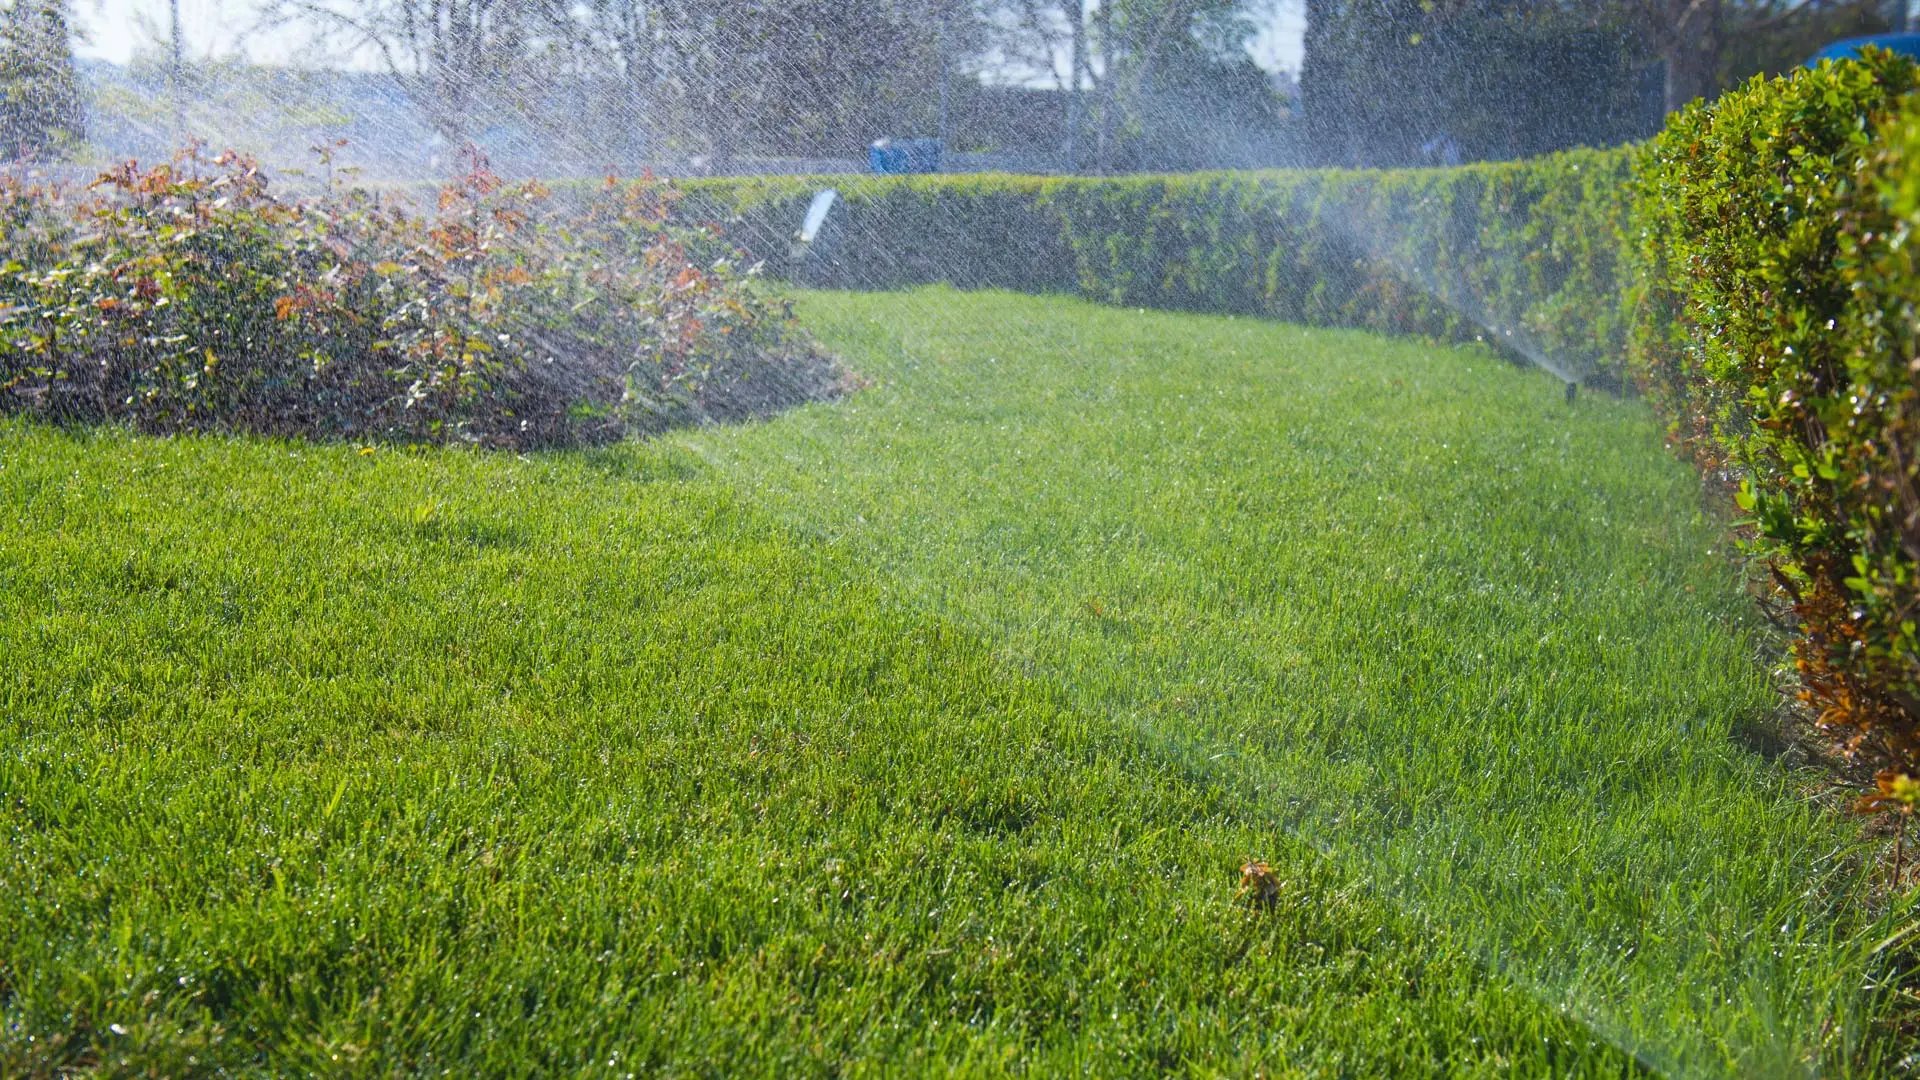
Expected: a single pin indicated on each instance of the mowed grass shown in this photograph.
(920, 732)
(1484, 650)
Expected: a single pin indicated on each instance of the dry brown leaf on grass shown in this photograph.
(1259, 885)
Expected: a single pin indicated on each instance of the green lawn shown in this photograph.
(923, 731)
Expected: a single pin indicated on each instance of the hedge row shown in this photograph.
(1752, 269)
(1776, 329)
(1524, 252)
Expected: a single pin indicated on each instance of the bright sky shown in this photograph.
(115, 29)
(1277, 47)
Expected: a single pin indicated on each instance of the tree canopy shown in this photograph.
(41, 112)
(1426, 81)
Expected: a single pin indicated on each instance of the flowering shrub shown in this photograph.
(188, 297)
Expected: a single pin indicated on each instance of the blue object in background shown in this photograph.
(892, 156)
(1905, 44)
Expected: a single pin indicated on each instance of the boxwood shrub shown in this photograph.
(1774, 329)
(1525, 252)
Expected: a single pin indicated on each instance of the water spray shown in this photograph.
(810, 226)
(1511, 341)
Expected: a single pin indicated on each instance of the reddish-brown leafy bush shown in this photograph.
(189, 297)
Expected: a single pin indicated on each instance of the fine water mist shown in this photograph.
(1064, 524)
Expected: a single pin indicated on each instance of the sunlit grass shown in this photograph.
(1481, 648)
(922, 731)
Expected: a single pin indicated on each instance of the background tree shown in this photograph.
(41, 115)
(1706, 46)
(623, 42)
(1048, 36)
(619, 82)
(811, 76)
(1389, 82)
(1145, 82)
(458, 60)
(1405, 81)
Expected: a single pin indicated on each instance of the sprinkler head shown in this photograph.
(1573, 391)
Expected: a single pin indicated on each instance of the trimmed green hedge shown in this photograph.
(1523, 251)
(1750, 269)
(1775, 328)
(1877, 438)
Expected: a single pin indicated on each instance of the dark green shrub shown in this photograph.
(187, 297)
(1526, 251)
(888, 232)
(1873, 432)
(1769, 330)
(1867, 463)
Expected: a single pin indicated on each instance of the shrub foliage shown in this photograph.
(189, 297)
(1525, 251)
(1776, 332)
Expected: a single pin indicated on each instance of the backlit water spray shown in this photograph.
(1198, 660)
(1539, 907)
